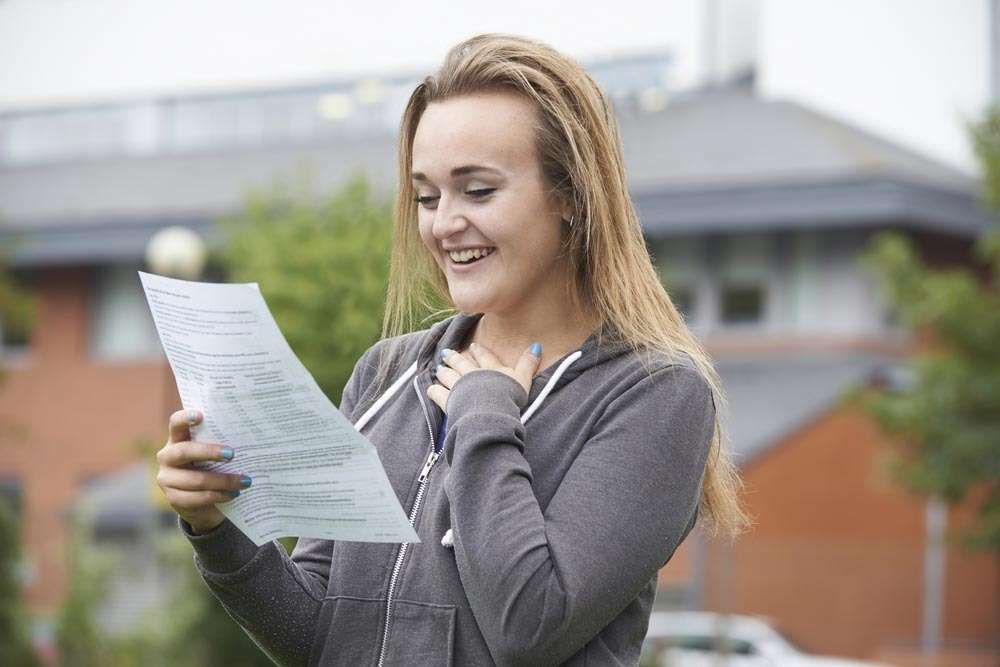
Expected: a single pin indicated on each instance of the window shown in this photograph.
(683, 298)
(122, 328)
(745, 278)
(73, 133)
(678, 262)
(742, 304)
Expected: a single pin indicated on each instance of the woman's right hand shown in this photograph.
(191, 492)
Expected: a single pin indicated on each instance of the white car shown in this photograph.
(706, 639)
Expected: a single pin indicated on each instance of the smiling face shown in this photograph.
(480, 188)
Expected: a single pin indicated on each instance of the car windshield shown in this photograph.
(704, 643)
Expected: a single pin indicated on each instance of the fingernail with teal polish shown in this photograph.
(227, 453)
(536, 349)
(232, 494)
(445, 352)
(245, 481)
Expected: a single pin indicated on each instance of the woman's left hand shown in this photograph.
(454, 365)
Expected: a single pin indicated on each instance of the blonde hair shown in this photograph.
(579, 146)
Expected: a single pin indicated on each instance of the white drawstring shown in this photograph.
(550, 384)
(384, 398)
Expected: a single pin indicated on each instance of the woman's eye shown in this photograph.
(482, 192)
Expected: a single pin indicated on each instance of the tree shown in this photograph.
(322, 267)
(948, 417)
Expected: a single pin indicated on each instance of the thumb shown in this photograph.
(528, 364)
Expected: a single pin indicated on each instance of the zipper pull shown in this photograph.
(427, 466)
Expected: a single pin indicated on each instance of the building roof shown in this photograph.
(771, 397)
(716, 161)
(732, 137)
(728, 161)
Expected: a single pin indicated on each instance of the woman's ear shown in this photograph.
(567, 210)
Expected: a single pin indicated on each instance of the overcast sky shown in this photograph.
(60, 48)
(904, 69)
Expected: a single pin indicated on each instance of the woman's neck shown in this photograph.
(559, 332)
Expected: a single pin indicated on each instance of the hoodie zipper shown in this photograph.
(397, 568)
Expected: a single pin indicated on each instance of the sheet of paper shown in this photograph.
(314, 474)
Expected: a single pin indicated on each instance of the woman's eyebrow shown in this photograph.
(458, 171)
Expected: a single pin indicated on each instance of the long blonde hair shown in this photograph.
(579, 146)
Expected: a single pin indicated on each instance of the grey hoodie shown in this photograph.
(559, 523)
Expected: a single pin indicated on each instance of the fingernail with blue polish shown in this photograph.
(437, 369)
(445, 352)
(245, 481)
(232, 494)
(227, 453)
(536, 349)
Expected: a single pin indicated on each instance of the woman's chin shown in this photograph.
(468, 303)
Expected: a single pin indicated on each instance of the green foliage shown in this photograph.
(322, 267)
(192, 628)
(948, 418)
(15, 647)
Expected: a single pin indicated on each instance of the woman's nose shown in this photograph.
(449, 218)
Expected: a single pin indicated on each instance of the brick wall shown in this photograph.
(836, 556)
(66, 417)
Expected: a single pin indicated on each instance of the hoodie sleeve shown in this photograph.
(275, 598)
(543, 584)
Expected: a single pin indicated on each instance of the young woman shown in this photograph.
(553, 442)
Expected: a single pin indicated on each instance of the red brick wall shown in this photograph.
(65, 417)
(836, 556)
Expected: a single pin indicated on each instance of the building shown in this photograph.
(756, 213)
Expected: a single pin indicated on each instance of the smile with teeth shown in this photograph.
(469, 256)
